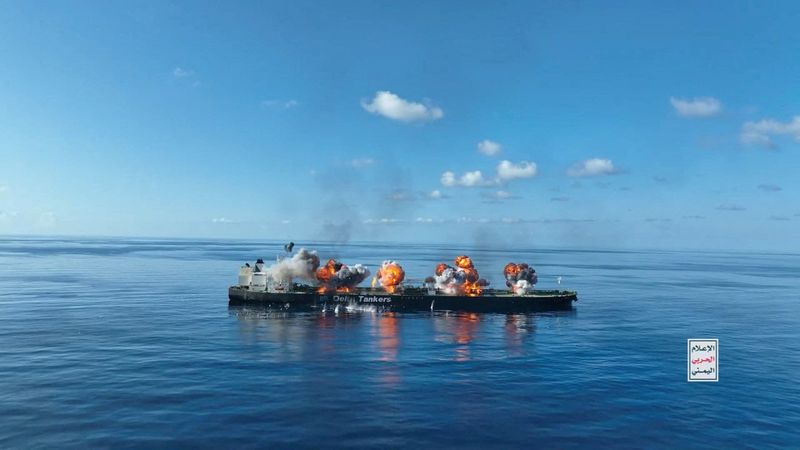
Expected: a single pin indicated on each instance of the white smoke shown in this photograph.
(302, 264)
(451, 281)
(523, 280)
(523, 287)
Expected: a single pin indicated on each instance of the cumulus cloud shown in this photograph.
(507, 171)
(592, 167)
(436, 194)
(221, 220)
(762, 132)
(393, 107)
(489, 148)
(770, 187)
(468, 179)
(696, 107)
(359, 163)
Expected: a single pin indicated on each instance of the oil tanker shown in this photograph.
(410, 299)
(452, 288)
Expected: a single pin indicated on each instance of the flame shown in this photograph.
(464, 262)
(472, 284)
(520, 278)
(391, 274)
(512, 269)
(325, 276)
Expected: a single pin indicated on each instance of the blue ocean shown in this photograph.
(131, 343)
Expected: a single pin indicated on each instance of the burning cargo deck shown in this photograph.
(452, 288)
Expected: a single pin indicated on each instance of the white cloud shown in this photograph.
(592, 167)
(761, 132)
(393, 107)
(435, 194)
(286, 221)
(489, 148)
(507, 171)
(359, 163)
(448, 179)
(696, 107)
(221, 220)
(180, 72)
(469, 179)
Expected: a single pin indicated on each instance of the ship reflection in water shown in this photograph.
(388, 337)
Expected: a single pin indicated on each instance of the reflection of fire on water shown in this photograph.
(463, 279)
(458, 329)
(337, 277)
(390, 275)
(389, 339)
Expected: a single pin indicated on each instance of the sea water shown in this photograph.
(132, 343)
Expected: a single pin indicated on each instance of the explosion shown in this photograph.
(390, 275)
(520, 278)
(302, 264)
(338, 277)
(461, 279)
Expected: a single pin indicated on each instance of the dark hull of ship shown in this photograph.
(409, 300)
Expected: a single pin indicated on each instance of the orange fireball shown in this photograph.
(464, 262)
(391, 274)
(326, 272)
(512, 269)
(472, 284)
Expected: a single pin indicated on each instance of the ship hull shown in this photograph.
(416, 300)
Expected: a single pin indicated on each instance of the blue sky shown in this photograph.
(603, 124)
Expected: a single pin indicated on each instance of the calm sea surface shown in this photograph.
(131, 343)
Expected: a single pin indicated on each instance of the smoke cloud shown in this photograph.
(302, 264)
